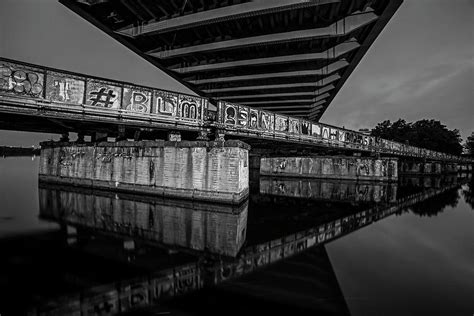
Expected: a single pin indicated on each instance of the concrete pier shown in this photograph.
(418, 168)
(355, 168)
(200, 170)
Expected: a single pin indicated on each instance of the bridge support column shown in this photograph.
(420, 168)
(355, 168)
(80, 138)
(210, 171)
(64, 137)
(174, 136)
(450, 167)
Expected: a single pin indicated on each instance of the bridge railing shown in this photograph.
(63, 89)
(240, 119)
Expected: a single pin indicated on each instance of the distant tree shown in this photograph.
(470, 145)
(429, 134)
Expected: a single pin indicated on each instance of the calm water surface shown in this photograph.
(296, 247)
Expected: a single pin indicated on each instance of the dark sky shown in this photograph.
(420, 66)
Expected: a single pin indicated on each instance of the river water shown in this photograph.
(298, 247)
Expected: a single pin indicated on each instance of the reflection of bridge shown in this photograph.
(126, 221)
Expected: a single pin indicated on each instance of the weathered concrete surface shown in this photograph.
(200, 226)
(212, 171)
(415, 167)
(329, 190)
(465, 167)
(383, 169)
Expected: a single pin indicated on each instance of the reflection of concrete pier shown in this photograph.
(190, 274)
(329, 190)
(218, 229)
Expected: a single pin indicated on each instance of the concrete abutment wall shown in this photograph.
(415, 167)
(201, 170)
(336, 167)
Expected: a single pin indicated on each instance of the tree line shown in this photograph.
(429, 134)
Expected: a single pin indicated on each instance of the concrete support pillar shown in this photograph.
(174, 136)
(80, 138)
(427, 167)
(384, 169)
(136, 135)
(121, 133)
(219, 135)
(100, 137)
(64, 137)
(419, 168)
(450, 167)
(212, 171)
(254, 161)
(203, 135)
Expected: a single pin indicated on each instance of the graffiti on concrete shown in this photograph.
(136, 100)
(236, 119)
(102, 94)
(71, 89)
(65, 89)
(21, 80)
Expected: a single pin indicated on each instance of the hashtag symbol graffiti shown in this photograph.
(102, 98)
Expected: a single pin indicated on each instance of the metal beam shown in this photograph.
(316, 99)
(269, 105)
(289, 94)
(321, 97)
(316, 72)
(319, 83)
(339, 28)
(318, 104)
(332, 53)
(272, 108)
(292, 112)
(227, 13)
(256, 103)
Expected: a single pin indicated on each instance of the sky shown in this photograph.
(420, 66)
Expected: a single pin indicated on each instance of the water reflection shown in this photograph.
(118, 252)
(219, 229)
(329, 190)
(351, 191)
(437, 204)
(468, 192)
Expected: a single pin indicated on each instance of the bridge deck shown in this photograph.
(32, 95)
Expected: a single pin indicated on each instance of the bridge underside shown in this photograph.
(288, 56)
